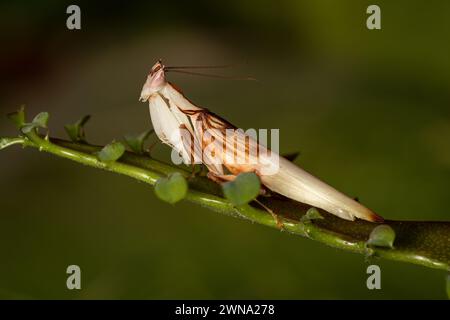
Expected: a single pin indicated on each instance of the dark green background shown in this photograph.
(369, 110)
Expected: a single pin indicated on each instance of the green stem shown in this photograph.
(44, 144)
(7, 142)
(419, 242)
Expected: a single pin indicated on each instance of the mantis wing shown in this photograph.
(186, 113)
(287, 178)
(231, 148)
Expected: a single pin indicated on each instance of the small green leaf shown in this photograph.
(448, 286)
(171, 189)
(75, 131)
(382, 236)
(311, 214)
(18, 117)
(27, 128)
(41, 120)
(243, 189)
(111, 152)
(136, 142)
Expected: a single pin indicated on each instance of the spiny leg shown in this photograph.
(194, 171)
(277, 219)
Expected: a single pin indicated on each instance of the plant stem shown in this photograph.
(423, 243)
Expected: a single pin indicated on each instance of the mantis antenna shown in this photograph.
(210, 75)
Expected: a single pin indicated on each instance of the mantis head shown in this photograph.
(155, 81)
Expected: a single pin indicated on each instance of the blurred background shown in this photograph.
(368, 110)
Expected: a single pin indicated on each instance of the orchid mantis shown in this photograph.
(174, 117)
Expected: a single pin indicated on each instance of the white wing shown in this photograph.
(285, 177)
(297, 184)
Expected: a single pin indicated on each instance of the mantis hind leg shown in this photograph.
(193, 171)
(276, 217)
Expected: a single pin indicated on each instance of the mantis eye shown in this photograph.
(155, 69)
